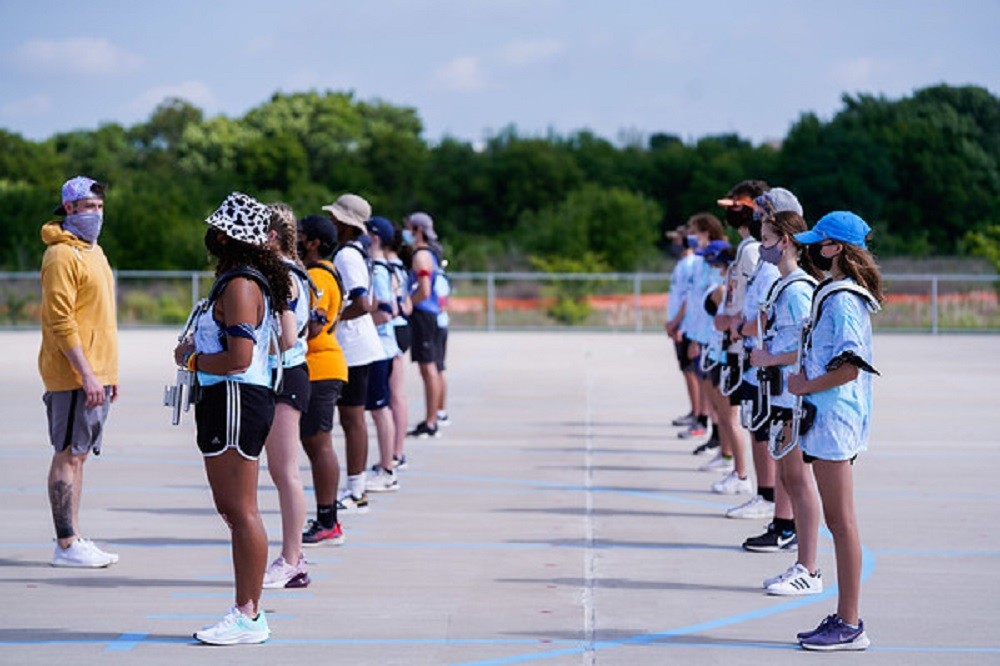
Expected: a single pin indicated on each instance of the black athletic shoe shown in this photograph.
(423, 431)
(772, 541)
(706, 447)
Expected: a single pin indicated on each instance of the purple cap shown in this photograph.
(78, 188)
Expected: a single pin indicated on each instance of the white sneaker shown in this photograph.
(732, 484)
(92, 546)
(754, 508)
(796, 581)
(717, 464)
(380, 480)
(281, 574)
(235, 629)
(442, 419)
(82, 554)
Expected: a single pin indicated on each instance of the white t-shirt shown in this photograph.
(740, 271)
(357, 337)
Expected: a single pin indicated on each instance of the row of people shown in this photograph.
(767, 343)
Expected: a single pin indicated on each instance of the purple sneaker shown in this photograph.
(833, 634)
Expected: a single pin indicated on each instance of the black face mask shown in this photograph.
(300, 249)
(738, 216)
(212, 242)
(819, 261)
(755, 225)
(676, 250)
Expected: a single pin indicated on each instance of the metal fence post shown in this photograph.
(637, 301)
(194, 289)
(491, 301)
(934, 305)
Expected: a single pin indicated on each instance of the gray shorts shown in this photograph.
(72, 423)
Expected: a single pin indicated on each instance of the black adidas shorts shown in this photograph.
(234, 415)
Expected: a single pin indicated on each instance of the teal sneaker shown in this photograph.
(235, 629)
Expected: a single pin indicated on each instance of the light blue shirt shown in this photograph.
(208, 338)
(787, 314)
(701, 325)
(680, 278)
(843, 413)
(382, 288)
(296, 354)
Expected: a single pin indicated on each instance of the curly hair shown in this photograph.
(284, 225)
(236, 254)
(748, 188)
(787, 223)
(859, 264)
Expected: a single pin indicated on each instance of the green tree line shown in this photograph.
(924, 170)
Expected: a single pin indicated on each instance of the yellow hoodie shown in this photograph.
(78, 308)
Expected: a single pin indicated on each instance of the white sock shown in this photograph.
(356, 484)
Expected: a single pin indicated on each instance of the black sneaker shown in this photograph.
(706, 447)
(423, 431)
(772, 541)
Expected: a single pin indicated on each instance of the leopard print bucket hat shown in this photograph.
(242, 218)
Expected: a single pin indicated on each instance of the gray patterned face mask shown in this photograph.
(85, 226)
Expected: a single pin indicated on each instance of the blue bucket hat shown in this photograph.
(841, 226)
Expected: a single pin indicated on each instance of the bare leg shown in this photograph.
(386, 434)
(691, 383)
(397, 402)
(282, 448)
(432, 391)
(763, 465)
(443, 397)
(325, 466)
(797, 481)
(352, 419)
(233, 480)
(835, 480)
(65, 485)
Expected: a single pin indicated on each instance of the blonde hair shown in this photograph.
(284, 225)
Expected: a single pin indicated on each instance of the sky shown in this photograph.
(623, 69)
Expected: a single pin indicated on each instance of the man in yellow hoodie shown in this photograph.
(78, 359)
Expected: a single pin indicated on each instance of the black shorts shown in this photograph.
(681, 350)
(356, 392)
(715, 375)
(323, 397)
(403, 337)
(378, 384)
(295, 387)
(426, 338)
(234, 415)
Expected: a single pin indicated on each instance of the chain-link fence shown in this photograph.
(626, 302)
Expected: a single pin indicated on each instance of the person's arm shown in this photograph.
(798, 384)
(423, 268)
(242, 305)
(289, 327)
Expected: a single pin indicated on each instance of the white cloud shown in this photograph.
(530, 52)
(856, 74)
(79, 55)
(27, 107)
(195, 92)
(462, 74)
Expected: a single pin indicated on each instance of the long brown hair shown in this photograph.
(787, 223)
(859, 264)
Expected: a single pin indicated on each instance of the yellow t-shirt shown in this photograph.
(324, 357)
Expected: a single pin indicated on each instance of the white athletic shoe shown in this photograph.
(82, 554)
(754, 508)
(717, 464)
(796, 581)
(732, 484)
(380, 480)
(235, 629)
